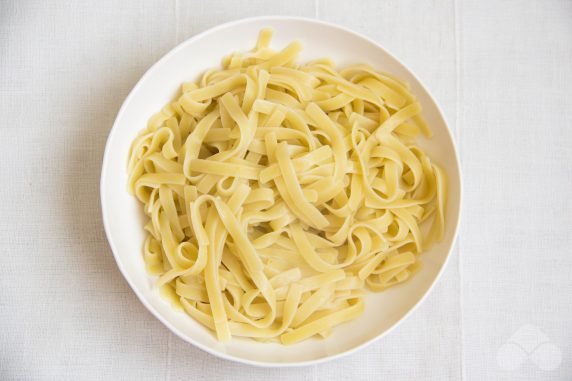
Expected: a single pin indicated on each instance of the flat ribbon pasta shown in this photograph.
(277, 192)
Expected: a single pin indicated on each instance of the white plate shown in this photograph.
(122, 215)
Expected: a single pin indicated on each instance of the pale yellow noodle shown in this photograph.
(276, 192)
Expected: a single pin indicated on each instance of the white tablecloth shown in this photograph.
(502, 70)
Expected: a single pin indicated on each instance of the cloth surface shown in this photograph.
(501, 72)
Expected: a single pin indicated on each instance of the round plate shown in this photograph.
(123, 218)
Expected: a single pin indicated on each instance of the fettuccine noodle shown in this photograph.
(277, 193)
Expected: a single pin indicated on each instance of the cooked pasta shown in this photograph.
(276, 193)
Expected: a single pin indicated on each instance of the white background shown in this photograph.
(501, 70)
